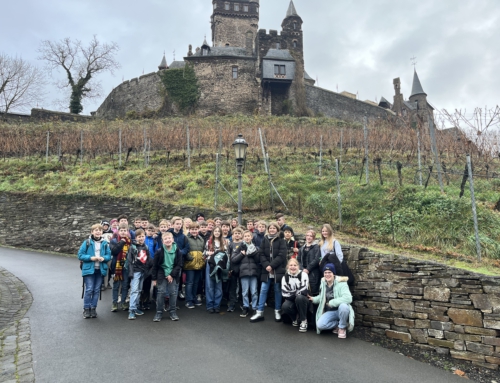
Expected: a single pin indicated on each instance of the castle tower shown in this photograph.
(419, 97)
(234, 22)
(398, 97)
(163, 65)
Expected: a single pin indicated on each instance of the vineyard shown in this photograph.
(395, 197)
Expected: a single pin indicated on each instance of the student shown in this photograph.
(150, 240)
(259, 234)
(124, 219)
(334, 304)
(216, 256)
(107, 235)
(146, 288)
(331, 251)
(281, 222)
(193, 265)
(183, 245)
(234, 224)
(139, 265)
(144, 223)
(226, 230)
(114, 225)
(164, 226)
(186, 222)
(292, 245)
(211, 225)
(94, 254)
(218, 221)
(247, 260)
(234, 269)
(294, 290)
(137, 223)
(120, 246)
(273, 260)
(250, 226)
(308, 258)
(204, 233)
(200, 217)
(167, 266)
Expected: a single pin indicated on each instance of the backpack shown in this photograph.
(87, 243)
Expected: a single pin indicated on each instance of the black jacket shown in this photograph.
(235, 250)
(158, 272)
(135, 265)
(275, 257)
(248, 264)
(310, 260)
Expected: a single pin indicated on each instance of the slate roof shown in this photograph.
(291, 10)
(163, 64)
(410, 105)
(177, 65)
(417, 86)
(279, 54)
(307, 77)
(383, 100)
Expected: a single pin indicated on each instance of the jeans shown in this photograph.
(146, 290)
(92, 289)
(213, 290)
(124, 285)
(249, 283)
(331, 319)
(163, 286)
(263, 294)
(135, 290)
(232, 288)
(298, 306)
(192, 279)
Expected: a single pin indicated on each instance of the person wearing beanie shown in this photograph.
(334, 304)
(200, 217)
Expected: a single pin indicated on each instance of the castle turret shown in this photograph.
(234, 22)
(163, 65)
(419, 98)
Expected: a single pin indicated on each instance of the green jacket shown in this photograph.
(341, 294)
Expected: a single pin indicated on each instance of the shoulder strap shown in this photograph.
(87, 242)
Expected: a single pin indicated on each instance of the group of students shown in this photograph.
(213, 258)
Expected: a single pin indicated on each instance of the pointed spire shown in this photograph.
(163, 64)
(291, 10)
(205, 41)
(417, 86)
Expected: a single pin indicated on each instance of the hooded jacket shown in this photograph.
(310, 260)
(273, 253)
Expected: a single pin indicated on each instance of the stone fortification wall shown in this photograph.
(137, 95)
(335, 105)
(220, 93)
(440, 308)
(43, 115)
(61, 223)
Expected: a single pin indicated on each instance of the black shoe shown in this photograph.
(158, 316)
(211, 311)
(147, 306)
(244, 312)
(231, 308)
(86, 313)
(93, 313)
(217, 310)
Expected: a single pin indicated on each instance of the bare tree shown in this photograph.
(21, 84)
(80, 64)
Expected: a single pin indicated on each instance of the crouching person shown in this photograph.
(334, 304)
(294, 290)
(167, 266)
(95, 255)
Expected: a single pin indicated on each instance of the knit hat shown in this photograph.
(200, 215)
(288, 228)
(330, 267)
(104, 223)
(113, 220)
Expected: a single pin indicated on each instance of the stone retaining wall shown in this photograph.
(440, 308)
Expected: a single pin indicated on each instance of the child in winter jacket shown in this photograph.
(94, 254)
(217, 262)
(120, 246)
(294, 288)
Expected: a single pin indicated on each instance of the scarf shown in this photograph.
(121, 257)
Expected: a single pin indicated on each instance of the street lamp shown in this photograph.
(240, 149)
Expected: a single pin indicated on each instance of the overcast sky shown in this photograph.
(358, 46)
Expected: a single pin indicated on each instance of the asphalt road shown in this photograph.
(198, 348)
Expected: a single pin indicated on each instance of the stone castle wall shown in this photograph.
(43, 115)
(335, 105)
(137, 95)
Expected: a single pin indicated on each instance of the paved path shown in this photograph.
(199, 348)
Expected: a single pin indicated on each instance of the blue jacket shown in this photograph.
(181, 242)
(87, 250)
(152, 245)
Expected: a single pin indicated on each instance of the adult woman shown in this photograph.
(331, 252)
(309, 258)
(334, 304)
(273, 260)
(294, 289)
(215, 246)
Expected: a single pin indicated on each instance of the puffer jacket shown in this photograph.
(248, 264)
(273, 255)
(341, 294)
(87, 251)
(310, 260)
(194, 259)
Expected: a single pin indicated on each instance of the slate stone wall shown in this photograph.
(439, 308)
(335, 105)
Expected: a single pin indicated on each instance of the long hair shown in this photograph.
(330, 239)
(213, 237)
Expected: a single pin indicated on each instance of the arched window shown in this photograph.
(295, 43)
(294, 25)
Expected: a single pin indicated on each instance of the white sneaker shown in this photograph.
(258, 316)
(277, 316)
(303, 326)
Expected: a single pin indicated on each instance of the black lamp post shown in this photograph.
(240, 149)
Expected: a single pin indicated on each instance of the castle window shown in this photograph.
(294, 25)
(295, 44)
(235, 72)
(257, 9)
(215, 5)
(227, 44)
(245, 8)
(204, 52)
(227, 6)
(278, 45)
(236, 7)
(279, 70)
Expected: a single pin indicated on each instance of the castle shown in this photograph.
(247, 70)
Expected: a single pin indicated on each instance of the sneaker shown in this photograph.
(231, 308)
(158, 316)
(125, 306)
(342, 333)
(86, 313)
(93, 313)
(189, 305)
(303, 326)
(198, 302)
(147, 306)
(139, 312)
(114, 307)
(277, 316)
(217, 310)
(244, 312)
(141, 307)
(211, 311)
(335, 330)
(295, 323)
(174, 317)
(131, 315)
(258, 316)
